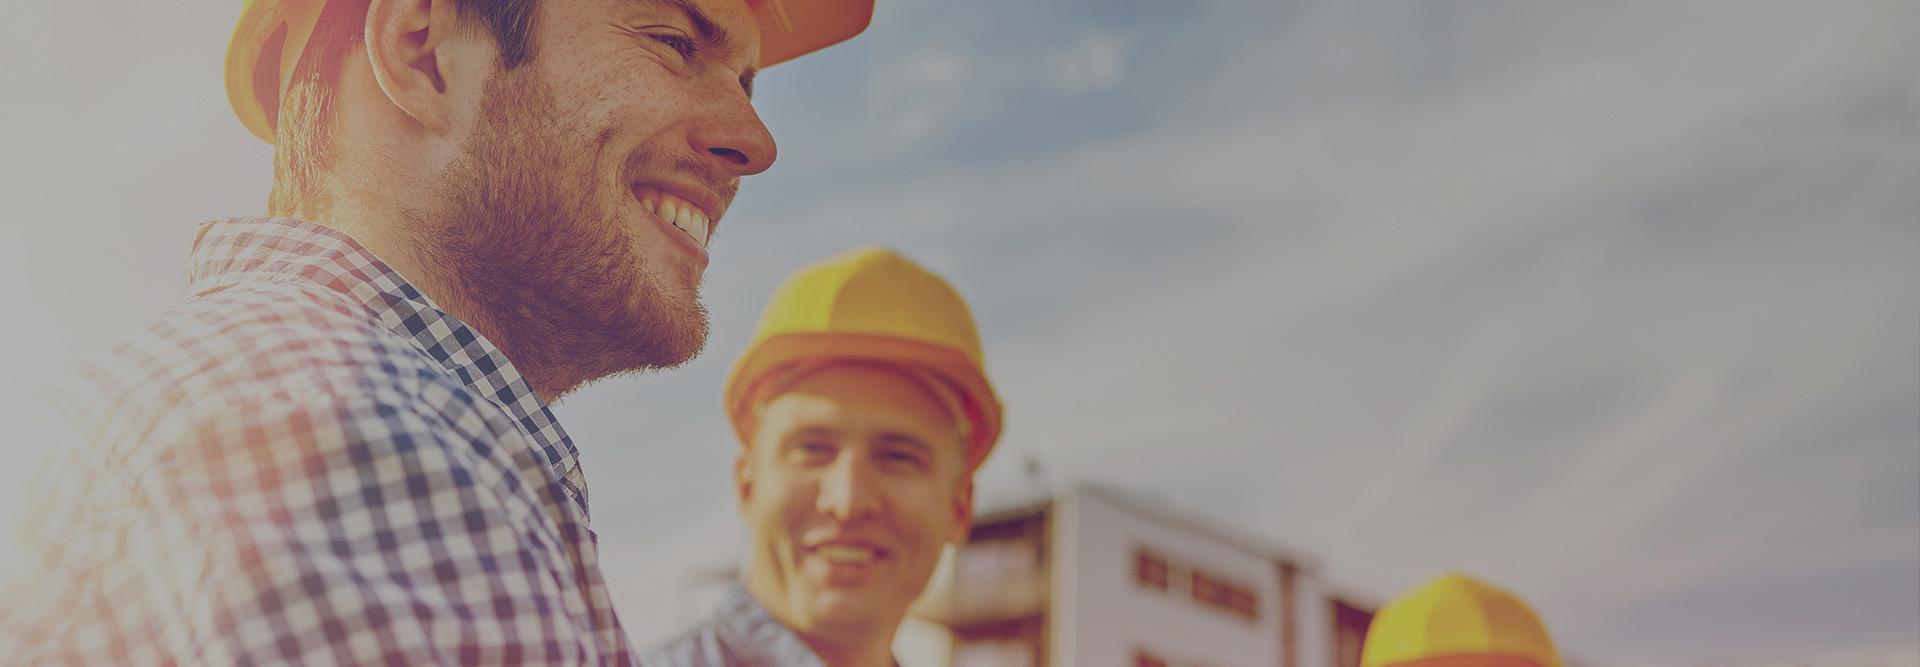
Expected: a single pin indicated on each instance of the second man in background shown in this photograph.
(863, 409)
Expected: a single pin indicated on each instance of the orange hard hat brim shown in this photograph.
(270, 36)
(1471, 660)
(780, 351)
(793, 28)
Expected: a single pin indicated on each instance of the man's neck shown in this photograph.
(386, 236)
(868, 646)
(876, 651)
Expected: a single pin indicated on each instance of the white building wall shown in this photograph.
(1315, 629)
(1103, 616)
(1064, 554)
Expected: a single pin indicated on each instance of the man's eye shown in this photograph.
(813, 451)
(902, 458)
(678, 43)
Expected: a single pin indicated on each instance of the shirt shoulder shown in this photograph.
(741, 633)
(273, 440)
(269, 345)
(700, 646)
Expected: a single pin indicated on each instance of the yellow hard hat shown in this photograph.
(1457, 621)
(271, 35)
(869, 304)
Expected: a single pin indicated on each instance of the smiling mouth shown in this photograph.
(847, 554)
(676, 211)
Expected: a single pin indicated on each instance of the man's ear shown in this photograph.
(743, 477)
(408, 48)
(962, 511)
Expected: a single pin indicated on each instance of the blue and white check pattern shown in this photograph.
(307, 462)
(740, 634)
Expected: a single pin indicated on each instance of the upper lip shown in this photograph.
(847, 542)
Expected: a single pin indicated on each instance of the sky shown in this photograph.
(1614, 305)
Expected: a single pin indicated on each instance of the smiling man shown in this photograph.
(338, 449)
(863, 409)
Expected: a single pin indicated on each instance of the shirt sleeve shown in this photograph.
(377, 530)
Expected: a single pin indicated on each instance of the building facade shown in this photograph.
(1099, 576)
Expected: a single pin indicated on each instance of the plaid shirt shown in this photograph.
(740, 634)
(307, 461)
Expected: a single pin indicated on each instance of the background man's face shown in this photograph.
(580, 210)
(853, 483)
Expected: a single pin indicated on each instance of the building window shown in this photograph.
(1018, 642)
(1229, 597)
(991, 562)
(1349, 632)
(1150, 570)
(1240, 601)
(1153, 571)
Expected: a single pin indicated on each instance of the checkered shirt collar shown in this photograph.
(754, 637)
(242, 250)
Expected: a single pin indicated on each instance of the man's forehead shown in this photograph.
(870, 407)
(869, 386)
(820, 405)
(803, 413)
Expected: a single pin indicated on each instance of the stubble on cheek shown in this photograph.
(541, 254)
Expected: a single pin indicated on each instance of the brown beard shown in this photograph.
(546, 271)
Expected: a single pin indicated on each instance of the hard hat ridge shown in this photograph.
(1455, 620)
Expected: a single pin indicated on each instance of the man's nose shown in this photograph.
(731, 137)
(847, 490)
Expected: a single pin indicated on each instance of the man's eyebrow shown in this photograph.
(808, 431)
(708, 33)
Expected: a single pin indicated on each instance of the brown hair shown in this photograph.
(303, 134)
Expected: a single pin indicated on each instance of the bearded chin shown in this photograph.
(544, 269)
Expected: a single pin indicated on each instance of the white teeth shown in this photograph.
(668, 208)
(846, 554)
(685, 220)
(677, 212)
(702, 229)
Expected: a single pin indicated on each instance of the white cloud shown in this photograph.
(1395, 275)
(916, 96)
(1092, 64)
